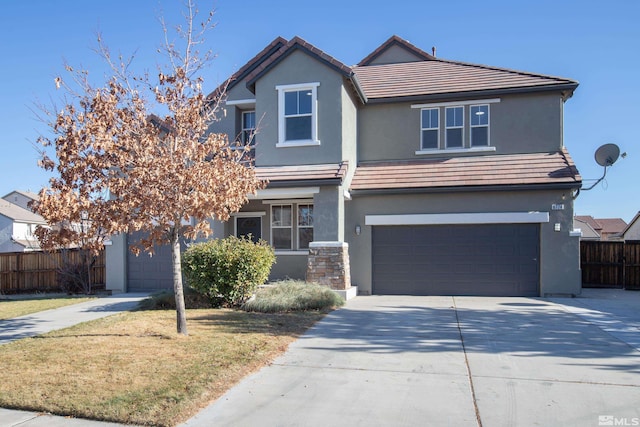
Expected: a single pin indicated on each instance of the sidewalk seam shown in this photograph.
(466, 362)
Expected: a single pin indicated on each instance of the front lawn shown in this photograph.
(10, 308)
(133, 367)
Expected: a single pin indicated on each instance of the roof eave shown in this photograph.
(304, 182)
(566, 89)
(465, 188)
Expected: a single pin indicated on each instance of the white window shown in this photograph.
(297, 115)
(454, 127)
(479, 125)
(248, 127)
(287, 235)
(429, 136)
(281, 227)
(305, 226)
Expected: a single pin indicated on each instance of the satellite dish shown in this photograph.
(607, 154)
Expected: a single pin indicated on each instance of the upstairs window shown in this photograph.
(454, 127)
(248, 127)
(430, 129)
(479, 125)
(297, 114)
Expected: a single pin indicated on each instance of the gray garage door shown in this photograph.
(489, 260)
(145, 273)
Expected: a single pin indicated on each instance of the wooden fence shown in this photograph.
(22, 272)
(610, 264)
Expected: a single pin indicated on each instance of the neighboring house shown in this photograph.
(586, 230)
(606, 228)
(21, 198)
(17, 228)
(632, 230)
(416, 175)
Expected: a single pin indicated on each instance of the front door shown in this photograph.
(249, 226)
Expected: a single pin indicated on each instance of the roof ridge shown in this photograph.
(482, 66)
(295, 43)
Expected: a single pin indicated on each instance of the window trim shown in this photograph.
(252, 141)
(282, 89)
(472, 126)
(237, 215)
(422, 129)
(272, 227)
(446, 127)
(298, 226)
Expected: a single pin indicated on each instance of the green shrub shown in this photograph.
(293, 295)
(229, 270)
(166, 300)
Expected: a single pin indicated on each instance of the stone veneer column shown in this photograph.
(328, 264)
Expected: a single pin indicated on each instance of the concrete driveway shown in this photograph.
(457, 361)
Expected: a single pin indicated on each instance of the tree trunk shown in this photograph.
(181, 315)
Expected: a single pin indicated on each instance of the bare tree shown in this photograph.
(126, 169)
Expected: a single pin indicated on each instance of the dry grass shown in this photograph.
(16, 308)
(132, 368)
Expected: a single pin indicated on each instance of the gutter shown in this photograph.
(570, 87)
(464, 189)
(304, 183)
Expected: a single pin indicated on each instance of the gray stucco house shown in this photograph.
(418, 175)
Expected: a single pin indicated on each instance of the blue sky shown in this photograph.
(594, 42)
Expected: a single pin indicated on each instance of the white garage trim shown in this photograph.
(459, 218)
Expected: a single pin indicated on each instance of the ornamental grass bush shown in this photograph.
(227, 271)
(293, 295)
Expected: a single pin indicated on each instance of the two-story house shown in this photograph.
(423, 176)
(18, 223)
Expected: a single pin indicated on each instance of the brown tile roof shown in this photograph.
(611, 225)
(395, 40)
(604, 225)
(439, 77)
(284, 51)
(288, 174)
(475, 171)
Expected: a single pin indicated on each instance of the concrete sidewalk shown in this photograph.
(452, 361)
(63, 317)
(49, 320)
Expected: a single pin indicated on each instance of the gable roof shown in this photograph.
(441, 78)
(588, 219)
(604, 225)
(633, 221)
(27, 194)
(19, 214)
(395, 41)
(612, 225)
(466, 173)
(293, 45)
(588, 232)
(247, 68)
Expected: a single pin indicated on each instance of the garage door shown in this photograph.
(489, 260)
(149, 273)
